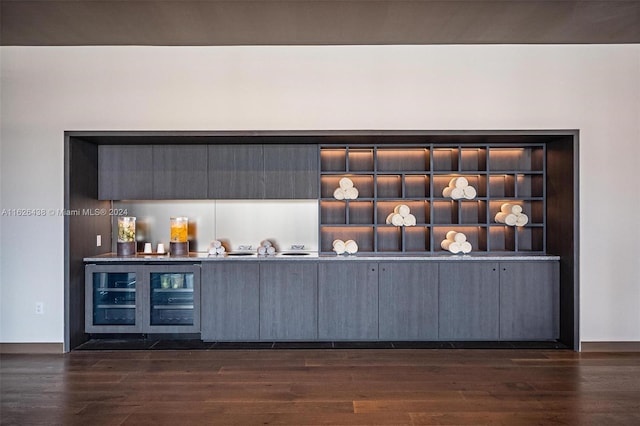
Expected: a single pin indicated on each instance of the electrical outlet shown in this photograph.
(39, 308)
(98, 240)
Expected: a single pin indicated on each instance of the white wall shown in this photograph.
(47, 90)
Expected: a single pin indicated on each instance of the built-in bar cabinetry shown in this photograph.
(469, 301)
(416, 175)
(127, 298)
(338, 300)
(499, 301)
(179, 172)
(231, 301)
(529, 300)
(182, 171)
(348, 301)
(125, 172)
(152, 172)
(254, 171)
(236, 171)
(408, 300)
(518, 282)
(259, 301)
(290, 171)
(288, 300)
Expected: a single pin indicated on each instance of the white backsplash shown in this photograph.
(235, 222)
(284, 223)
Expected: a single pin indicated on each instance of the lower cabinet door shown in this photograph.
(347, 301)
(288, 301)
(408, 301)
(468, 301)
(529, 300)
(230, 301)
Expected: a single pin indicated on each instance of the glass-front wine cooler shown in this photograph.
(171, 298)
(113, 301)
(123, 298)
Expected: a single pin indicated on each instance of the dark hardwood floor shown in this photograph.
(331, 386)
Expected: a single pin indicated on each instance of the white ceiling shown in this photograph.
(321, 22)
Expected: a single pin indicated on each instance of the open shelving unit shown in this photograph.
(416, 175)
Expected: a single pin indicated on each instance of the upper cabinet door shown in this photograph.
(291, 171)
(179, 172)
(236, 172)
(125, 172)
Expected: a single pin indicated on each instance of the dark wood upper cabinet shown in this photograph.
(291, 171)
(227, 171)
(236, 172)
(152, 172)
(263, 171)
(125, 172)
(179, 172)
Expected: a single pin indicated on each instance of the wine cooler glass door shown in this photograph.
(171, 298)
(114, 298)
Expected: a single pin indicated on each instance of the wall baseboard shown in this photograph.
(31, 348)
(58, 348)
(610, 347)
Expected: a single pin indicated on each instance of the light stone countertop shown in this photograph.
(368, 257)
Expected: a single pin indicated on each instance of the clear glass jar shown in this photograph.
(179, 229)
(126, 229)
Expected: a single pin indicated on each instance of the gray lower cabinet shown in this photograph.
(529, 300)
(347, 301)
(291, 171)
(289, 300)
(408, 301)
(469, 301)
(230, 301)
(125, 172)
(125, 298)
(180, 172)
(236, 172)
(341, 300)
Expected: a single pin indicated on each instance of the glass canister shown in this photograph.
(126, 240)
(179, 237)
(179, 229)
(126, 229)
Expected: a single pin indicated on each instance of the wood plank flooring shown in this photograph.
(314, 387)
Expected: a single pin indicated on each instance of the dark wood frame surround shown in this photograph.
(81, 192)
